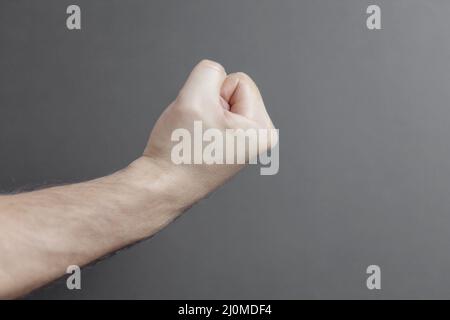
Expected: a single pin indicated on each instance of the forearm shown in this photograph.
(43, 232)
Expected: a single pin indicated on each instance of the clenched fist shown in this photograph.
(230, 106)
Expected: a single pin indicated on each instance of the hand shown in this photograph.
(219, 101)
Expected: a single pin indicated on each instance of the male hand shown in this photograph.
(219, 101)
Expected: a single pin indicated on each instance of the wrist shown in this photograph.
(165, 181)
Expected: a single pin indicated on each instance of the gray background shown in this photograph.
(364, 120)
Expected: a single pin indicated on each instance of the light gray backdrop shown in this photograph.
(364, 119)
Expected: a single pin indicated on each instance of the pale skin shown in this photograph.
(45, 231)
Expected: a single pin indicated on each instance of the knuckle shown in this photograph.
(212, 64)
(243, 76)
(188, 109)
(195, 109)
(184, 97)
(247, 80)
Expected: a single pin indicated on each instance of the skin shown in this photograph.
(45, 231)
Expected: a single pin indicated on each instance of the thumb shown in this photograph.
(205, 81)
